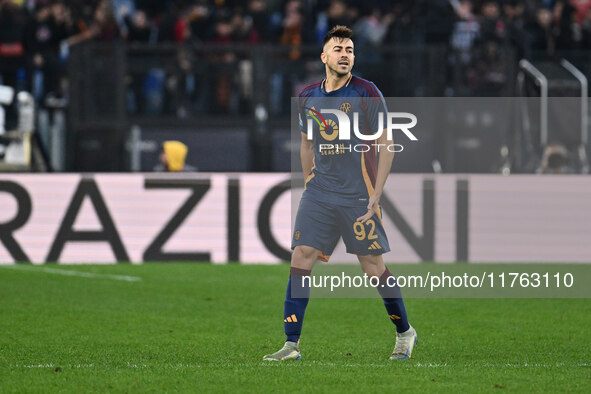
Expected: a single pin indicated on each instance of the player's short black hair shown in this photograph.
(339, 31)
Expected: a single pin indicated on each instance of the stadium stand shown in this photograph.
(190, 64)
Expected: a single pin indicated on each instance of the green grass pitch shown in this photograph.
(203, 328)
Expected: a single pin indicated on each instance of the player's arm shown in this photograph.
(307, 155)
(384, 165)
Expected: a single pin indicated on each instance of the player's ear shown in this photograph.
(323, 57)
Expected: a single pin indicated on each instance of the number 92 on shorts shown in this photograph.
(320, 225)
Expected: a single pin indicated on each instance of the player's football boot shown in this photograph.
(289, 351)
(405, 342)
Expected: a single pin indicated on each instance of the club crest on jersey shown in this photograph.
(346, 107)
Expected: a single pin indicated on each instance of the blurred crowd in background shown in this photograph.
(198, 59)
(36, 34)
(539, 24)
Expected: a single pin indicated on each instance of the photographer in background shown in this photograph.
(555, 160)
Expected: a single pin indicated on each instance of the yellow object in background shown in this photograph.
(175, 152)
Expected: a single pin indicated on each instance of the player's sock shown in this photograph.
(393, 302)
(295, 307)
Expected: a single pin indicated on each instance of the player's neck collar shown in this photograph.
(323, 84)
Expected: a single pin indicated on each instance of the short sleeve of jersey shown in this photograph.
(301, 115)
(376, 104)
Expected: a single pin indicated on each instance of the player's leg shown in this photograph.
(373, 265)
(368, 241)
(296, 301)
(297, 293)
(315, 236)
(406, 336)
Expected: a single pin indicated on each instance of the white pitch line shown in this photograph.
(310, 364)
(58, 271)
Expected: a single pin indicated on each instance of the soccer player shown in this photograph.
(342, 192)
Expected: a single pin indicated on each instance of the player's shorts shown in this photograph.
(320, 225)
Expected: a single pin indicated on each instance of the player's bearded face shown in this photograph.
(338, 56)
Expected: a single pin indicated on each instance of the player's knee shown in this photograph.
(304, 255)
(372, 271)
(372, 265)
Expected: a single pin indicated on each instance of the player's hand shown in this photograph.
(372, 208)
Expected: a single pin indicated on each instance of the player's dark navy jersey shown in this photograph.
(344, 171)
